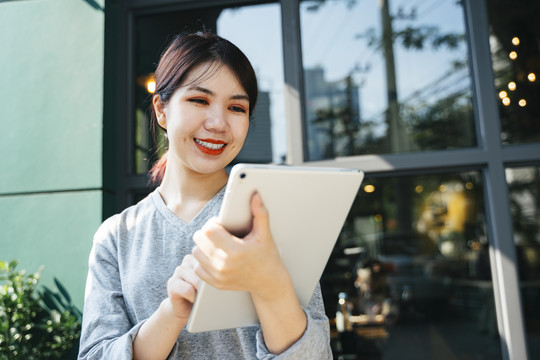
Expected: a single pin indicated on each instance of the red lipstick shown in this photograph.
(210, 146)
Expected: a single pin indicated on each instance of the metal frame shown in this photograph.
(294, 79)
(502, 249)
(490, 157)
(114, 113)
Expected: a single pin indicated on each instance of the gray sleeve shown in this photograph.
(314, 344)
(107, 332)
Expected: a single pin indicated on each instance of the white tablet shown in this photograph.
(307, 208)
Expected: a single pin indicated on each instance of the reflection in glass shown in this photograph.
(524, 190)
(515, 53)
(261, 44)
(410, 275)
(385, 79)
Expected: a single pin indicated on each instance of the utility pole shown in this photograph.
(398, 144)
(396, 141)
(350, 128)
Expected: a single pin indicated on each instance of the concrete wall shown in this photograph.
(51, 120)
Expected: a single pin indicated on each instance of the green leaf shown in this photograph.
(62, 290)
(13, 264)
(48, 299)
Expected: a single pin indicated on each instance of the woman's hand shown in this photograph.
(157, 335)
(250, 264)
(182, 289)
(253, 264)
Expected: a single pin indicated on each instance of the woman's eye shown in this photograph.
(239, 109)
(198, 101)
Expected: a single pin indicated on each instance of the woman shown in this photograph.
(147, 262)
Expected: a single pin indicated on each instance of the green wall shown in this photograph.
(51, 117)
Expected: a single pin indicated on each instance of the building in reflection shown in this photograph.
(258, 145)
(332, 114)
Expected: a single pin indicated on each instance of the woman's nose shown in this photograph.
(216, 119)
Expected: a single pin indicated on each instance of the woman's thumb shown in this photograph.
(260, 214)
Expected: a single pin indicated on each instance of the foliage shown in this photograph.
(35, 324)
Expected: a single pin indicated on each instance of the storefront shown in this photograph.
(437, 101)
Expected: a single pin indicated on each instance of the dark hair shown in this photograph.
(185, 52)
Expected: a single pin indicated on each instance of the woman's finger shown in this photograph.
(186, 271)
(203, 261)
(208, 275)
(260, 215)
(189, 261)
(178, 288)
(211, 237)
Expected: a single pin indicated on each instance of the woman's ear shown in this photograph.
(159, 110)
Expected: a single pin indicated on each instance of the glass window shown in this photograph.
(385, 79)
(256, 30)
(410, 275)
(524, 191)
(515, 53)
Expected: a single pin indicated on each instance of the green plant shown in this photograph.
(35, 324)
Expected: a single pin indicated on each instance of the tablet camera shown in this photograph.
(242, 175)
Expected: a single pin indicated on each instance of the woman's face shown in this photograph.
(206, 120)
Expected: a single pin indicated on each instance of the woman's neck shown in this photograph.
(186, 192)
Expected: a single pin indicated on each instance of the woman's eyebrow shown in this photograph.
(201, 89)
(211, 93)
(240, 97)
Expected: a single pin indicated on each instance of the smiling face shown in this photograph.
(206, 119)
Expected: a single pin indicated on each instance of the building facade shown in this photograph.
(438, 102)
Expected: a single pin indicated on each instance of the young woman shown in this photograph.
(147, 262)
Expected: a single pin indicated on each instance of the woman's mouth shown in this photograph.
(210, 146)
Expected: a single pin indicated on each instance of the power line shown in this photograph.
(428, 9)
(342, 25)
(317, 33)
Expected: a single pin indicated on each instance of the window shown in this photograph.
(385, 79)
(514, 34)
(412, 271)
(524, 190)
(265, 141)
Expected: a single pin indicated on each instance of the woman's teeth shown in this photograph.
(209, 145)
